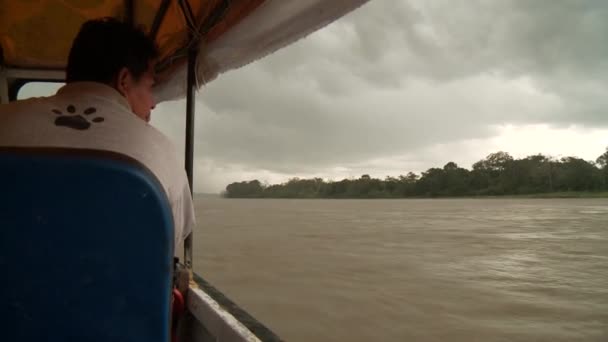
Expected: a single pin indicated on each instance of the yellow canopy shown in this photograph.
(37, 34)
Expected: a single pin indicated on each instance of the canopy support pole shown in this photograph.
(3, 86)
(191, 92)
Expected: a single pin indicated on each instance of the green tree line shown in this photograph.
(497, 175)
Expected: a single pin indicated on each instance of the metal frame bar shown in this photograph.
(158, 18)
(193, 50)
(189, 17)
(11, 80)
(190, 108)
(218, 13)
(38, 74)
(129, 12)
(190, 104)
(4, 97)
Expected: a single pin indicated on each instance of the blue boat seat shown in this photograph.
(86, 247)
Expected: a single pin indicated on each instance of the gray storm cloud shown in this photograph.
(396, 77)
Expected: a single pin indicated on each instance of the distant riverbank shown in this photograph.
(567, 194)
(498, 174)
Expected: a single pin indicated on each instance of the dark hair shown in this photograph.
(104, 46)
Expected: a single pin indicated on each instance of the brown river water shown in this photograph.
(412, 270)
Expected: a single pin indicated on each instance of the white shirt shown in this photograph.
(106, 123)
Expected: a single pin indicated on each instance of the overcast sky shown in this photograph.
(402, 86)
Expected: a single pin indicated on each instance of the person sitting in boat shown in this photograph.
(105, 105)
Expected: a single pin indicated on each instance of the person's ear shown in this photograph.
(123, 81)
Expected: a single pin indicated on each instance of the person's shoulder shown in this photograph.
(160, 155)
(159, 137)
(150, 142)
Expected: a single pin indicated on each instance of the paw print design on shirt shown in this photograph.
(76, 121)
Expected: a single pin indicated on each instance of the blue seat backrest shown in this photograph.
(86, 248)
